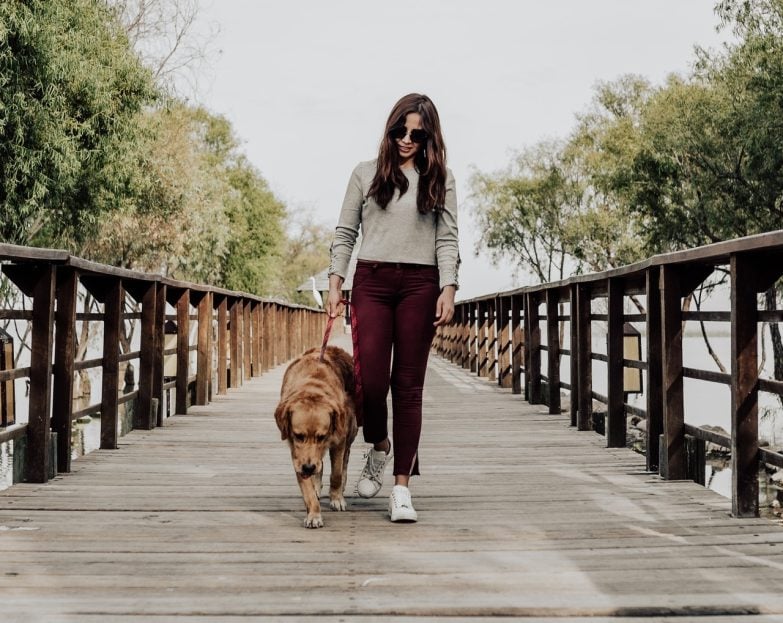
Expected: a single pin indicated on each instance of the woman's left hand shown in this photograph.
(444, 309)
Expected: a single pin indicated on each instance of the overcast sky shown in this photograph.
(308, 84)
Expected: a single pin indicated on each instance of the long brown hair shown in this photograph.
(430, 161)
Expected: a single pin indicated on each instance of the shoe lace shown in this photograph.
(373, 470)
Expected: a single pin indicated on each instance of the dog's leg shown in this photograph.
(318, 482)
(337, 478)
(312, 503)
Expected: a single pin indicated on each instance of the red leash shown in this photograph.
(357, 370)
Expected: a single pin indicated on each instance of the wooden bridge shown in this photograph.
(524, 512)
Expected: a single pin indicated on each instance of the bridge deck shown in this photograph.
(519, 516)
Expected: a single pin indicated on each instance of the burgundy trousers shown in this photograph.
(395, 311)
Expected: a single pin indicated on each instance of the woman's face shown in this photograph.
(405, 146)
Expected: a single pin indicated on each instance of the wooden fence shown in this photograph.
(503, 337)
(238, 336)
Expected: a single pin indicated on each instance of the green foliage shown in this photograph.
(559, 207)
(304, 255)
(710, 166)
(523, 211)
(69, 90)
(257, 219)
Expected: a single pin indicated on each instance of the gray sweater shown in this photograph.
(400, 233)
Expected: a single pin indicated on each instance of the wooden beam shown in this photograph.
(674, 465)
(584, 361)
(159, 344)
(143, 417)
(235, 378)
(744, 389)
(256, 316)
(517, 343)
(535, 350)
(615, 418)
(553, 351)
(573, 363)
(654, 370)
(473, 338)
(204, 352)
(114, 297)
(183, 352)
(247, 339)
(481, 338)
(64, 354)
(43, 280)
(222, 348)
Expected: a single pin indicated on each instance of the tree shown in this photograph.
(164, 35)
(523, 212)
(306, 250)
(70, 91)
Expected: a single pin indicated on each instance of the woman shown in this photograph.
(404, 285)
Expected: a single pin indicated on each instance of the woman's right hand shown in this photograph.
(333, 304)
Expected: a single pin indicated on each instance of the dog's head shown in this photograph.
(309, 420)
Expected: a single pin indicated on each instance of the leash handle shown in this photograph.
(328, 330)
(357, 369)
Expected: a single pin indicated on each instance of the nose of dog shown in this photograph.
(308, 470)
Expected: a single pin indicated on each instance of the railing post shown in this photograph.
(256, 315)
(573, 324)
(504, 341)
(204, 352)
(247, 342)
(535, 349)
(266, 337)
(553, 350)
(160, 343)
(527, 340)
(481, 338)
(584, 359)
(464, 335)
(38, 431)
(113, 299)
(183, 352)
(674, 465)
(517, 343)
(615, 409)
(235, 377)
(473, 338)
(744, 389)
(64, 355)
(654, 368)
(143, 417)
(492, 340)
(222, 345)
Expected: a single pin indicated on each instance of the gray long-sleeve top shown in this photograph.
(400, 233)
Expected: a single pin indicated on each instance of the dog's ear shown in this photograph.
(342, 363)
(283, 419)
(339, 420)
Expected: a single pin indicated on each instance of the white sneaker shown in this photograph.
(400, 505)
(371, 478)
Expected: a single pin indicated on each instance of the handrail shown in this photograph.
(238, 336)
(502, 336)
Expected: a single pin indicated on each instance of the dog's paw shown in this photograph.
(313, 521)
(338, 503)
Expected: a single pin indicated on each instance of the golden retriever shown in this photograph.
(316, 412)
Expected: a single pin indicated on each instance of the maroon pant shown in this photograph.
(395, 311)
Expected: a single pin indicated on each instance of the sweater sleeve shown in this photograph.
(347, 229)
(446, 237)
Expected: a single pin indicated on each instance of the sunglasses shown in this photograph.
(399, 132)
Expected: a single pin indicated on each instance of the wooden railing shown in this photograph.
(503, 336)
(237, 334)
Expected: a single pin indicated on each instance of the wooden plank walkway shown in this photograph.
(520, 517)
